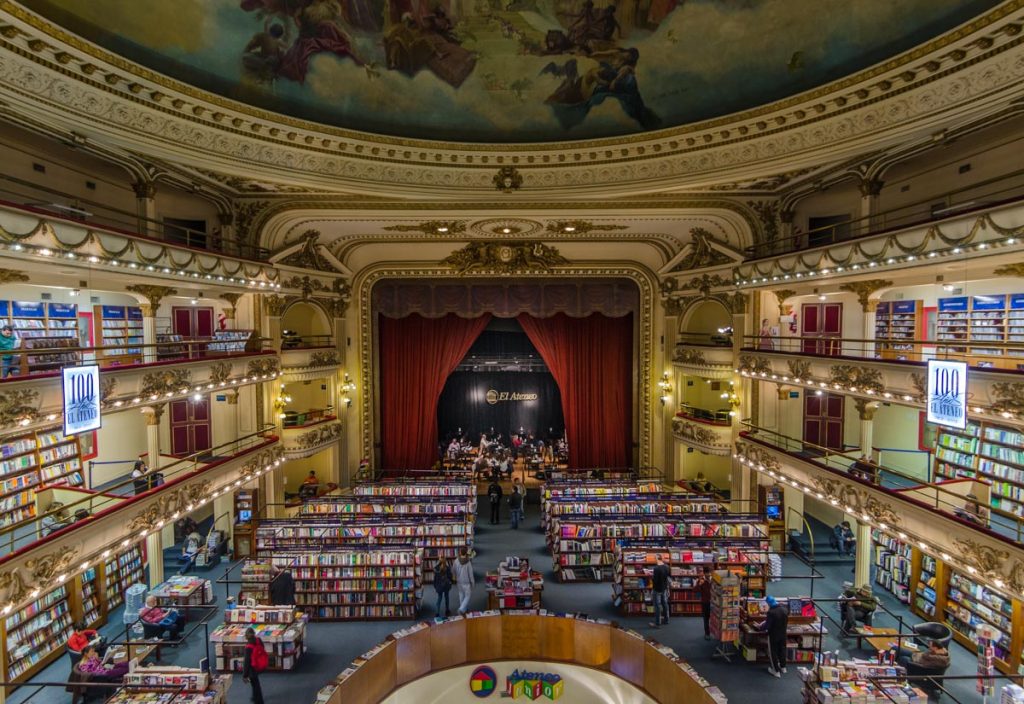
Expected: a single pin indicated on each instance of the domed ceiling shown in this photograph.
(504, 71)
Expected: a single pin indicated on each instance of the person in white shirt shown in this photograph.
(462, 571)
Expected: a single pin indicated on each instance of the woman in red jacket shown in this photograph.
(255, 662)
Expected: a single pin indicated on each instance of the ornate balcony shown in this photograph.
(308, 440)
(710, 438)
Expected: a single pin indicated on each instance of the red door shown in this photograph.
(823, 324)
(823, 420)
(192, 322)
(190, 426)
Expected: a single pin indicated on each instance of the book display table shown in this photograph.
(514, 585)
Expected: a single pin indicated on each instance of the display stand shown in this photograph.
(803, 635)
(858, 681)
(199, 687)
(514, 585)
(282, 632)
(725, 613)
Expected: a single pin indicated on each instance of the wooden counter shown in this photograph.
(520, 637)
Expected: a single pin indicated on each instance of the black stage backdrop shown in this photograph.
(464, 404)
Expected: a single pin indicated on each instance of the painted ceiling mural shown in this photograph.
(508, 70)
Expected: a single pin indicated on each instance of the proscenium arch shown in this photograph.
(644, 337)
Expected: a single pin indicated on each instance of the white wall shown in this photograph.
(122, 437)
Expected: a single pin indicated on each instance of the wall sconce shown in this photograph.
(280, 402)
(732, 399)
(348, 387)
(665, 384)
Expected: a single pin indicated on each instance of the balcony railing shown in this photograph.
(955, 203)
(52, 203)
(897, 482)
(705, 415)
(304, 419)
(38, 362)
(977, 353)
(93, 504)
(306, 342)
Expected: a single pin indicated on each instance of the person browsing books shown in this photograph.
(704, 584)
(255, 662)
(776, 625)
(443, 585)
(93, 665)
(659, 592)
(282, 588)
(494, 496)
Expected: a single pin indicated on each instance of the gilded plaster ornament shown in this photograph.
(505, 257)
(18, 405)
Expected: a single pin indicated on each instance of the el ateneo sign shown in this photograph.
(495, 397)
(81, 386)
(947, 393)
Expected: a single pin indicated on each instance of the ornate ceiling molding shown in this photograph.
(968, 70)
(504, 257)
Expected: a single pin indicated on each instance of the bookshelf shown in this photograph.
(967, 323)
(803, 635)
(86, 599)
(34, 636)
(899, 324)
(120, 329)
(686, 560)
(928, 593)
(256, 576)
(422, 490)
(725, 607)
(989, 452)
(356, 584)
(435, 536)
(120, 572)
(583, 547)
(228, 341)
(248, 509)
(31, 460)
(283, 635)
(583, 489)
(893, 565)
(42, 325)
(386, 505)
(969, 604)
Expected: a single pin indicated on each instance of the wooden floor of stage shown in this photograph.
(520, 473)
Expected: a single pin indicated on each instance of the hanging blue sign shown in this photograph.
(904, 306)
(63, 310)
(953, 305)
(113, 312)
(947, 393)
(134, 313)
(81, 387)
(27, 309)
(989, 302)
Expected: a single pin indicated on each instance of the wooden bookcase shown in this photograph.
(986, 451)
(968, 325)
(120, 328)
(119, 572)
(338, 584)
(34, 636)
(247, 503)
(899, 324)
(30, 461)
(42, 325)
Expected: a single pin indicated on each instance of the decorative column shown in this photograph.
(673, 309)
(155, 557)
(743, 485)
(229, 312)
(866, 411)
(145, 205)
(153, 416)
(274, 306)
(864, 291)
(152, 294)
(870, 188)
(786, 217)
(862, 562)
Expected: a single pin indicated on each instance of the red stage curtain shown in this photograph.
(592, 360)
(416, 356)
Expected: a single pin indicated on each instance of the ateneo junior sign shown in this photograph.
(947, 393)
(495, 397)
(81, 386)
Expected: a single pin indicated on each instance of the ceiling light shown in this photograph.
(442, 229)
